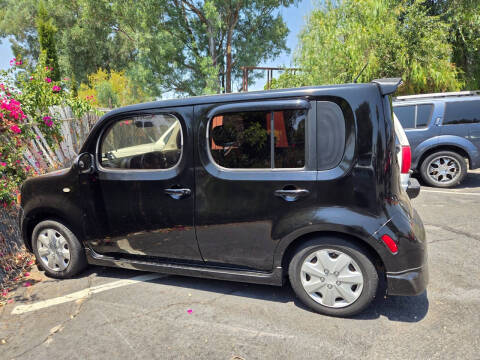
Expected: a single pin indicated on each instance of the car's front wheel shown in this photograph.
(333, 276)
(443, 169)
(58, 250)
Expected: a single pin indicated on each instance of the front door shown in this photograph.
(142, 191)
(253, 171)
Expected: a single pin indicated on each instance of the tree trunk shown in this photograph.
(228, 72)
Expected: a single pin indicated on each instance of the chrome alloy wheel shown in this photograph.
(53, 250)
(443, 169)
(331, 278)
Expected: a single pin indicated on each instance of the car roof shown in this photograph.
(437, 98)
(237, 97)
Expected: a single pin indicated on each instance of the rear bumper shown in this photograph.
(410, 282)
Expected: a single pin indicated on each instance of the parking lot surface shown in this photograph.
(100, 315)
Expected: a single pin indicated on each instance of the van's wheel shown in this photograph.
(58, 251)
(333, 276)
(443, 169)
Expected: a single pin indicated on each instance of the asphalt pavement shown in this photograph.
(122, 314)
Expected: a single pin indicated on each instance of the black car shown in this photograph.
(443, 130)
(257, 187)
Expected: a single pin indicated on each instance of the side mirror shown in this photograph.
(84, 163)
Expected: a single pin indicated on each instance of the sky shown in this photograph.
(293, 16)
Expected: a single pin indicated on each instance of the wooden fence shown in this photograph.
(74, 131)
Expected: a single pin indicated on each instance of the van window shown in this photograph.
(243, 140)
(462, 112)
(330, 135)
(143, 142)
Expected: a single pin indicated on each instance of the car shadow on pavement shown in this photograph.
(395, 308)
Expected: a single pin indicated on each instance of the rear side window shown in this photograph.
(462, 112)
(245, 140)
(406, 115)
(424, 114)
(330, 134)
(414, 116)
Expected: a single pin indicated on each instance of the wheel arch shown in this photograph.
(444, 147)
(39, 215)
(291, 248)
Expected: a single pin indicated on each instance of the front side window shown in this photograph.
(462, 112)
(142, 142)
(245, 140)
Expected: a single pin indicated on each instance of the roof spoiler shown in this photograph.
(388, 85)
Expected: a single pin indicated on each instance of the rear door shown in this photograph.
(462, 118)
(255, 167)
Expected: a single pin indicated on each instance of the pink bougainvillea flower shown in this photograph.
(56, 88)
(19, 62)
(15, 129)
(26, 284)
(48, 80)
(3, 164)
(189, 311)
(48, 121)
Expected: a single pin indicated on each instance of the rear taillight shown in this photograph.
(406, 159)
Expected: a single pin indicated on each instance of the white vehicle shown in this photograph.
(404, 156)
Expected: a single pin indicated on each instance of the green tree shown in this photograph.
(394, 39)
(46, 38)
(186, 46)
(464, 35)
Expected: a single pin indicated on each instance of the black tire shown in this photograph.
(78, 260)
(455, 181)
(359, 255)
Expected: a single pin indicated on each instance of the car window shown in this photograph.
(143, 142)
(462, 112)
(244, 140)
(424, 115)
(330, 135)
(406, 115)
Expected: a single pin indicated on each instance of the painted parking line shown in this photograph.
(21, 309)
(450, 192)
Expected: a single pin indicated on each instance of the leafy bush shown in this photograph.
(26, 100)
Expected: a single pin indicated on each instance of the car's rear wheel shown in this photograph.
(443, 169)
(333, 276)
(57, 249)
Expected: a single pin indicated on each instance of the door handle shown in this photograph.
(178, 194)
(291, 194)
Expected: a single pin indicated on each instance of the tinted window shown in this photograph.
(406, 115)
(462, 112)
(243, 140)
(330, 134)
(146, 142)
(424, 115)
